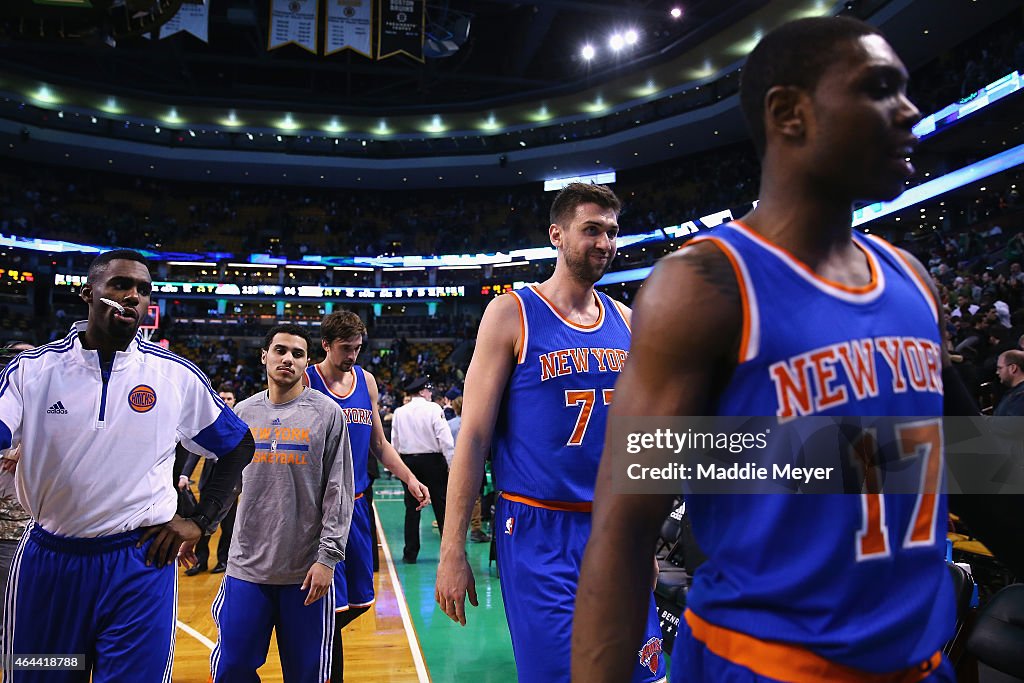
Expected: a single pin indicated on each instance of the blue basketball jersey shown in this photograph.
(550, 429)
(358, 410)
(857, 579)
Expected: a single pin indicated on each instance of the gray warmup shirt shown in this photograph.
(297, 493)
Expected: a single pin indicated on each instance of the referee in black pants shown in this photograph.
(421, 436)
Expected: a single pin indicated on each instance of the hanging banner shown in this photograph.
(349, 26)
(293, 21)
(191, 18)
(401, 28)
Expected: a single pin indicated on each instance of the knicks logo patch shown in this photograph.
(142, 398)
(510, 524)
(650, 654)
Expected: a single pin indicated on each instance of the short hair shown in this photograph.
(1014, 357)
(287, 328)
(574, 194)
(457, 405)
(100, 263)
(227, 388)
(795, 54)
(341, 325)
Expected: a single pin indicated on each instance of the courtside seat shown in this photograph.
(998, 635)
(669, 536)
(963, 589)
(672, 585)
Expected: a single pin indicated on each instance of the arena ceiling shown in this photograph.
(514, 104)
(510, 52)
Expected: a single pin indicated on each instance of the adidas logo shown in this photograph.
(57, 409)
(276, 422)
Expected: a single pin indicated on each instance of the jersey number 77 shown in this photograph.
(585, 399)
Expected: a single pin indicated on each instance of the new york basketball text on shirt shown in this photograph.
(568, 361)
(830, 376)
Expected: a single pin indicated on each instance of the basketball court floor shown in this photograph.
(404, 638)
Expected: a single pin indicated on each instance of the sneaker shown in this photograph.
(198, 569)
(478, 536)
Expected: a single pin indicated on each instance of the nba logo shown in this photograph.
(509, 524)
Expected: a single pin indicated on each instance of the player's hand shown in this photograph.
(454, 581)
(182, 482)
(9, 463)
(187, 557)
(318, 581)
(168, 538)
(420, 492)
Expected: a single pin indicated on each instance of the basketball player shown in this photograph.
(838, 588)
(538, 387)
(355, 391)
(291, 527)
(98, 414)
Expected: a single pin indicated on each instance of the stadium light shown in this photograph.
(588, 52)
(676, 12)
(616, 42)
(631, 37)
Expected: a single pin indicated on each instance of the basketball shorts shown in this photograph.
(245, 614)
(539, 556)
(353, 577)
(93, 598)
(730, 657)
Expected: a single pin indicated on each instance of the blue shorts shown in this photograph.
(245, 614)
(693, 661)
(94, 597)
(539, 556)
(353, 577)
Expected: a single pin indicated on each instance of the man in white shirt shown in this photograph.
(98, 414)
(421, 436)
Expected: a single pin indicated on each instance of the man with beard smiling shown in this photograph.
(539, 387)
(99, 414)
(291, 526)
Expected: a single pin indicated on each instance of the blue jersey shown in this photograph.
(857, 579)
(358, 410)
(550, 429)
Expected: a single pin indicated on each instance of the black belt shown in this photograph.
(413, 455)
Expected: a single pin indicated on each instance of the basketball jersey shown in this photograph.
(858, 579)
(550, 429)
(358, 410)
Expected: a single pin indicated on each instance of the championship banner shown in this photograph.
(191, 18)
(401, 28)
(293, 21)
(349, 26)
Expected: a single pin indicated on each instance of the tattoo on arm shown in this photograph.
(714, 267)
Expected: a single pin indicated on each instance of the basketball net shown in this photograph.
(147, 333)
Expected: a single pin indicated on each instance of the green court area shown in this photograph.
(479, 651)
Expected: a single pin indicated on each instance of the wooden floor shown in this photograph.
(376, 644)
